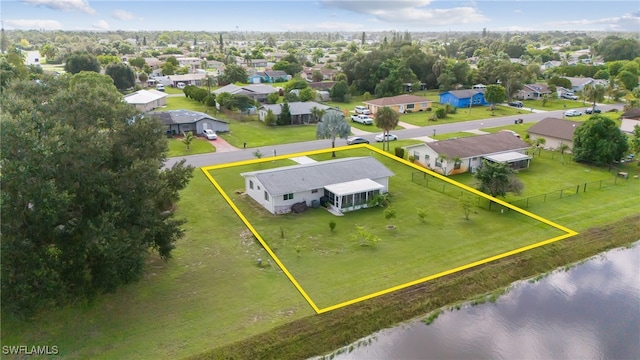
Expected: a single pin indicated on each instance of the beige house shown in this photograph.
(554, 131)
(630, 119)
(401, 103)
(146, 100)
(456, 156)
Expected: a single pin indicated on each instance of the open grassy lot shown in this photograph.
(198, 146)
(334, 267)
(554, 104)
(211, 294)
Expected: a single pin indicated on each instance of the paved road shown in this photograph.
(283, 149)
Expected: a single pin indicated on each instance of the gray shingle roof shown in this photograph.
(553, 127)
(464, 94)
(478, 145)
(174, 117)
(297, 178)
(297, 107)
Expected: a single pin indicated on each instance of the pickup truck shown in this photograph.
(362, 119)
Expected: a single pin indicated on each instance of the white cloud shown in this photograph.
(33, 24)
(101, 25)
(626, 22)
(65, 5)
(410, 11)
(122, 15)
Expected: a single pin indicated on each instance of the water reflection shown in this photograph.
(590, 311)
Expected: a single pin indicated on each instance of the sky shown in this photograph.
(322, 15)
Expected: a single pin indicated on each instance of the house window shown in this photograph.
(266, 196)
(314, 191)
(251, 184)
(410, 106)
(288, 196)
(426, 158)
(438, 162)
(457, 164)
(424, 104)
(416, 155)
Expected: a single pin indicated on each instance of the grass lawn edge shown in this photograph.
(343, 326)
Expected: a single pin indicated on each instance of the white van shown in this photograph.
(362, 110)
(160, 87)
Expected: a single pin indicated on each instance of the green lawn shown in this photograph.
(554, 104)
(333, 267)
(198, 146)
(211, 293)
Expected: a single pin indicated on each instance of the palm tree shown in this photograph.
(539, 142)
(563, 148)
(594, 93)
(331, 126)
(188, 139)
(386, 119)
(317, 113)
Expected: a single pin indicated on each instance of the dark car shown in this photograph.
(517, 104)
(356, 140)
(592, 110)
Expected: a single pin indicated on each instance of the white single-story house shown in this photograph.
(257, 92)
(33, 58)
(301, 111)
(179, 121)
(188, 79)
(455, 156)
(345, 184)
(554, 132)
(630, 119)
(146, 100)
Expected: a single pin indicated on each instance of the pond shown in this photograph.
(589, 311)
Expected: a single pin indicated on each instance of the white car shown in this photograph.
(210, 134)
(572, 113)
(362, 110)
(390, 137)
(181, 85)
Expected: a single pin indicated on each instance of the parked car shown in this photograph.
(353, 140)
(160, 87)
(390, 137)
(362, 119)
(362, 110)
(210, 134)
(181, 85)
(592, 110)
(569, 96)
(517, 104)
(572, 113)
(511, 132)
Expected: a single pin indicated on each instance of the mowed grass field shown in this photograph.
(212, 294)
(333, 267)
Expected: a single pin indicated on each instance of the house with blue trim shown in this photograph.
(463, 98)
(269, 76)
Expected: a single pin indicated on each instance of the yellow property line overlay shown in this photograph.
(207, 169)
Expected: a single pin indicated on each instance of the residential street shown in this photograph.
(283, 149)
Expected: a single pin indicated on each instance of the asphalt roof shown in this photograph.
(297, 107)
(478, 145)
(174, 117)
(303, 177)
(463, 94)
(554, 127)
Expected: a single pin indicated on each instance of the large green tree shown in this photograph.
(332, 126)
(234, 73)
(386, 119)
(495, 94)
(339, 91)
(594, 94)
(498, 179)
(84, 195)
(82, 62)
(599, 140)
(122, 75)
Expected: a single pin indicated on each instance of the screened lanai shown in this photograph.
(352, 195)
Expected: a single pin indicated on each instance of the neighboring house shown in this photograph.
(562, 91)
(327, 74)
(32, 58)
(179, 121)
(463, 98)
(258, 63)
(578, 83)
(550, 64)
(532, 91)
(301, 112)
(455, 156)
(401, 103)
(630, 119)
(554, 131)
(188, 79)
(346, 184)
(255, 91)
(146, 100)
(154, 63)
(192, 62)
(269, 76)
